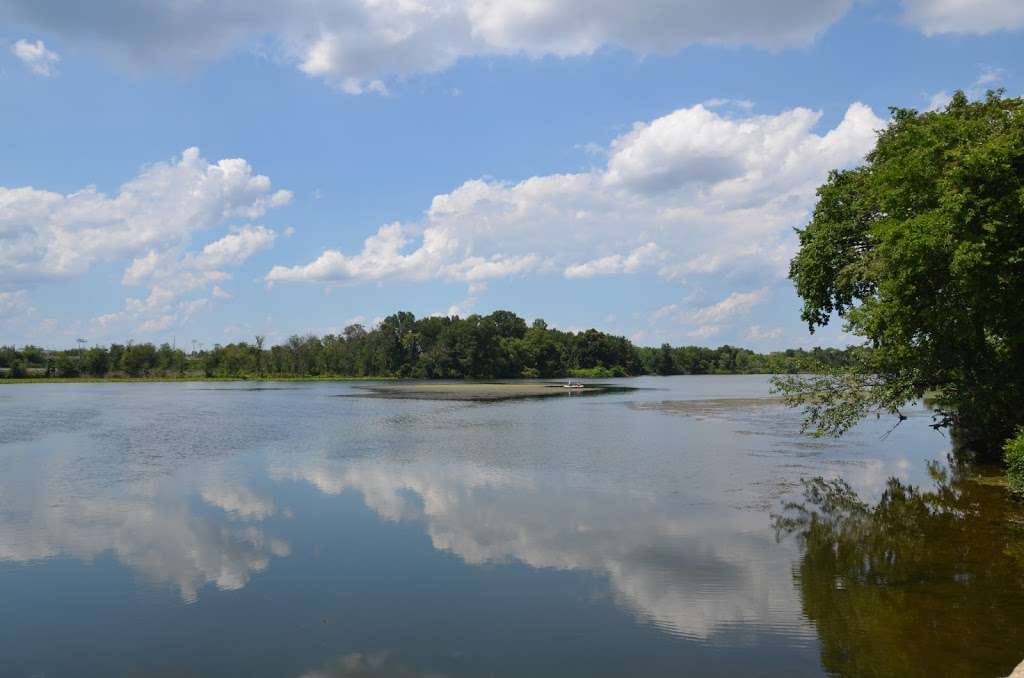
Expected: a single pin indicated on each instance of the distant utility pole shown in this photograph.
(193, 347)
(81, 342)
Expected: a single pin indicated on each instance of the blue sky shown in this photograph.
(216, 170)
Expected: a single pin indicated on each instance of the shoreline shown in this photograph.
(417, 380)
(189, 379)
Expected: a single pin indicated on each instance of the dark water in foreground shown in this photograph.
(213, 529)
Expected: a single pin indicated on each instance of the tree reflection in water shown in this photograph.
(923, 583)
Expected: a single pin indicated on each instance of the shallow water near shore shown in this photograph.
(276, 529)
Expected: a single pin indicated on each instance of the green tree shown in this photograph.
(17, 369)
(165, 358)
(508, 324)
(33, 355)
(116, 356)
(498, 345)
(67, 365)
(664, 361)
(96, 361)
(1014, 451)
(921, 252)
(210, 361)
(258, 353)
(138, 359)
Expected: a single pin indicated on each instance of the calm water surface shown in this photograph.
(222, 529)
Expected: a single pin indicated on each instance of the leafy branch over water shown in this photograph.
(836, 401)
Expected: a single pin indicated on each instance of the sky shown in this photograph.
(209, 171)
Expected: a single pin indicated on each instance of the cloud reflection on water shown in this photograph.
(681, 550)
(47, 510)
(690, 569)
(381, 664)
(686, 569)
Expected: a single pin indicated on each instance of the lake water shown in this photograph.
(279, 530)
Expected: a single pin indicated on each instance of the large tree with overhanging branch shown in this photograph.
(920, 251)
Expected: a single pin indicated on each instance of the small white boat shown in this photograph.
(573, 384)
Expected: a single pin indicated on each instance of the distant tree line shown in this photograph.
(499, 345)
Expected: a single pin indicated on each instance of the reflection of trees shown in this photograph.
(922, 583)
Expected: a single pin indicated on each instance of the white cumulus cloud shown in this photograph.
(14, 303)
(151, 220)
(704, 332)
(758, 333)
(356, 45)
(733, 305)
(704, 322)
(236, 247)
(964, 16)
(170, 274)
(692, 193)
(36, 57)
(617, 263)
(44, 234)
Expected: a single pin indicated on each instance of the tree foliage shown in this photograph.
(499, 345)
(921, 252)
(1014, 452)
